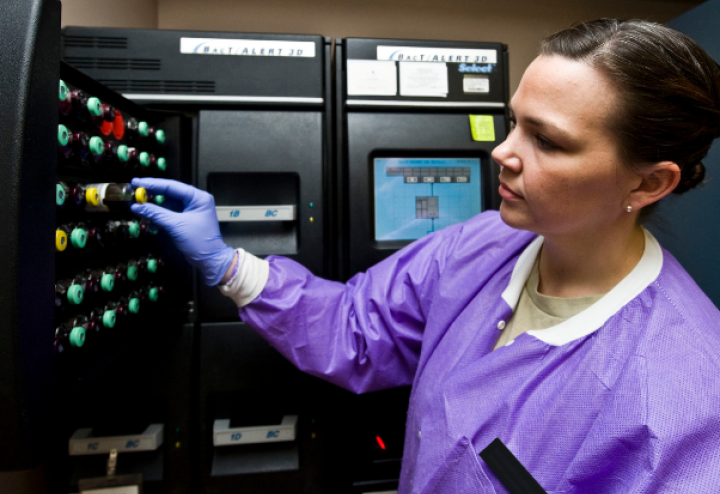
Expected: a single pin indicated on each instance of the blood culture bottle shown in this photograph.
(71, 333)
(117, 196)
(105, 317)
(69, 292)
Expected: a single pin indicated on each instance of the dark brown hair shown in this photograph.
(669, 89)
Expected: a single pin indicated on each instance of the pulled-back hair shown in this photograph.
(668, 87)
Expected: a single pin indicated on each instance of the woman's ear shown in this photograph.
(657, 181)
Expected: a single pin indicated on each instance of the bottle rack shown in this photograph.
(102, 142)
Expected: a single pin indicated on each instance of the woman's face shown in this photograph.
(560, 168)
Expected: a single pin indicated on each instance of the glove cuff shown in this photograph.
(251, 278)
(213, 270)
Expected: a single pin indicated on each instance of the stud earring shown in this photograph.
(629, 209)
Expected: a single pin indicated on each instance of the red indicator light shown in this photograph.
(380, 442)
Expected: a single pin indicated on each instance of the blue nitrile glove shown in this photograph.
(195, 230)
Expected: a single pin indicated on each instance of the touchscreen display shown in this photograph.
(417, 196)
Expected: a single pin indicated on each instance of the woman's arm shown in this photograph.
(363, 335)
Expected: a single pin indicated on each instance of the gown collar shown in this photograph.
(591, 319)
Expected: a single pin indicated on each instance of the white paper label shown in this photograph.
(427, 54)
(423, 79)
(247, 47)
(126, 489)
(476, 84)
(371, 78)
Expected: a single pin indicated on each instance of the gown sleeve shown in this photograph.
(363, 335)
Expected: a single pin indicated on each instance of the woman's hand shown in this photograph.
(195, 230)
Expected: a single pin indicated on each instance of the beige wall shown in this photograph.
(114, 13)
(519, 23)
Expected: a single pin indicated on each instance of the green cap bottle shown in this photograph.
(94, 107)
(63, 91)
(144, 159)
(60, 194)
(107, 282)
(134, 305)
(97, 146)
(132, 273)
(159, 199)
(75, 294)
(153, 294)
(109, 318)
(152, 265)
(134, 229)
(63, 135)
(162, 164)
(123, 153)
(77, 336)
(160, 136)
(78, 237)
(144, 129)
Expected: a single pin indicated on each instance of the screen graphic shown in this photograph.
(417, 196)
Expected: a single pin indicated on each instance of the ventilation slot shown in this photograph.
(161, 87)
(114, 63)
(95, 42)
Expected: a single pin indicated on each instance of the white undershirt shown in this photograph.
(536, 311)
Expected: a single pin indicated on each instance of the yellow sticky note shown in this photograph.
(482, 127)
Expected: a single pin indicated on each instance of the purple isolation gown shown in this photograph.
(622, 398)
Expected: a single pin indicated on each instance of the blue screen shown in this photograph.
(417, 196)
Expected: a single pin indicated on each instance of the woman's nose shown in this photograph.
(506, 156)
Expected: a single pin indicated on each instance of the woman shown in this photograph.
(558, 324)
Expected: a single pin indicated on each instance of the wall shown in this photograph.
(519, 23)
(115, 13)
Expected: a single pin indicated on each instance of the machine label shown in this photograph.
(223, 435)
(256, 213)
(429, 54)
(83, 443)
(247, 47)
(475, 69)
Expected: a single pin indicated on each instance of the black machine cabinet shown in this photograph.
(414, 102)
(261, 111)
(407, 164)
(263, 159)
(76, 358)
(127, 375)
(28, 85)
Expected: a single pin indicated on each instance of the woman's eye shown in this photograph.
(544, 143)
(513, 124)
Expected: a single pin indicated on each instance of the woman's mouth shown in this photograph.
(508, 194)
